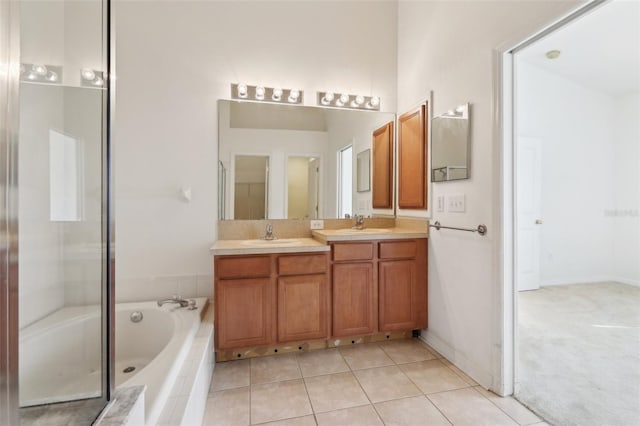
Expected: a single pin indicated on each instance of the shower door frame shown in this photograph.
(9, 259)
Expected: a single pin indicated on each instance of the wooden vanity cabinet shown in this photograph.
(245, 301)
(402, 283)
(303, 301)
(354, 289)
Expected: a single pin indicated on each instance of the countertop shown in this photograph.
(330, 235)
(284, 245)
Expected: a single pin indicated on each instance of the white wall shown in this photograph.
(447, 47)
(174, 60)
(575, 126)
(626, 168)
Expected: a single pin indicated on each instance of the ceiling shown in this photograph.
(600, 50)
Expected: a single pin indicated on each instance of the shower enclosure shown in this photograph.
(56, 245)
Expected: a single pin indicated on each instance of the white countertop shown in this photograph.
(283, 245)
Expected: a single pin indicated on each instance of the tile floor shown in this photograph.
(400, 382)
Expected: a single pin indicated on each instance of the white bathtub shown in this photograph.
(60, 354)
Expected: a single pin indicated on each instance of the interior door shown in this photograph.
(528, 208)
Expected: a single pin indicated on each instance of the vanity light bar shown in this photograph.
(330, 99)
(91, 78)
(41, 73)
(278, 95)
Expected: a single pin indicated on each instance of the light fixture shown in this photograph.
(91, 78)
(552, 54)
(247, 92)
(349, 101)
(277, 94)
(40, 73)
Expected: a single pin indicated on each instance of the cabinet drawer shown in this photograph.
(398, 249)
(352, 251)
(243, 267)
(302, 265)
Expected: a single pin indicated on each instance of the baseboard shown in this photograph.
(480, 375)
(589, 280)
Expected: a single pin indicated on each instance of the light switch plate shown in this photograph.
(440, 203)
(317, 224)
(456, 203)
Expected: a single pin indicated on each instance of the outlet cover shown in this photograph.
(440, 203)
(456, 203)
(317, 224)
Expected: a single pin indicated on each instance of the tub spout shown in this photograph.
(174, 299)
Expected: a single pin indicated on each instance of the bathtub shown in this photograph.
(60, 354)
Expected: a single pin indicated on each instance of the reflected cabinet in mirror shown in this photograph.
(295, 162)
(450, 145)
(383, 167)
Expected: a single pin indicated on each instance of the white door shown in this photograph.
(528, 220)
(312, 188)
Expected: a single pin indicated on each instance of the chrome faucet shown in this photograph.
(359, 222)
(175, 299)
(269, 233)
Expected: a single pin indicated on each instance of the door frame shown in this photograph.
(504, 131)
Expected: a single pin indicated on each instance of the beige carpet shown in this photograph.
(579, 353)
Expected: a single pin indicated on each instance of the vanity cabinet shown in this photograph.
(245, 302)
(302, 298)
(402, 283)
(354, 300)
(261, 300)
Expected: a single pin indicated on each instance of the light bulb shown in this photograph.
(31, 75)
(277, 94)
(460, 109)
(294, 95)
(39, 69)
(98, 81)
(260, 93)
(327, 98)
(242, 90)
(52, 77)
(375, 101)
(87, 74)
(359, 100)
(344, 99)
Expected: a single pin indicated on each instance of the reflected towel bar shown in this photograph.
(481, 229)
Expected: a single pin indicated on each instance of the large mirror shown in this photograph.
(294, 162)
(450, 145)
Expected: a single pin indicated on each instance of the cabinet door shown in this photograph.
(412, 159)
(245, 313)
(402, 296)
(382, 197)
(302, 307)
(354, 299)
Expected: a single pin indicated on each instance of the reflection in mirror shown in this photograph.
(251, 177)
(288, 134)
(363, 171)
(450, 145)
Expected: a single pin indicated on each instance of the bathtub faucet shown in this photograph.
(174, 299)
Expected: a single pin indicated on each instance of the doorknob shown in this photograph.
(538, 221)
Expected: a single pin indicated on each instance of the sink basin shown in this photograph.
(272, 243)
(363, 231)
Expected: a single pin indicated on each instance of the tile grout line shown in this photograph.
(504, 411)
(304, 382)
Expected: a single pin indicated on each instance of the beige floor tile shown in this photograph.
(416, 411)
(276, 368)
(433, 376)
(385, 383)
(468, 407)
(365, 356)
(279, 401)
(513, 408)
(317, 363)
(231, 374)
(227, 407)
(460, 373)
(334, 392)
(357, 416)
(406, 351)
(297, 421)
